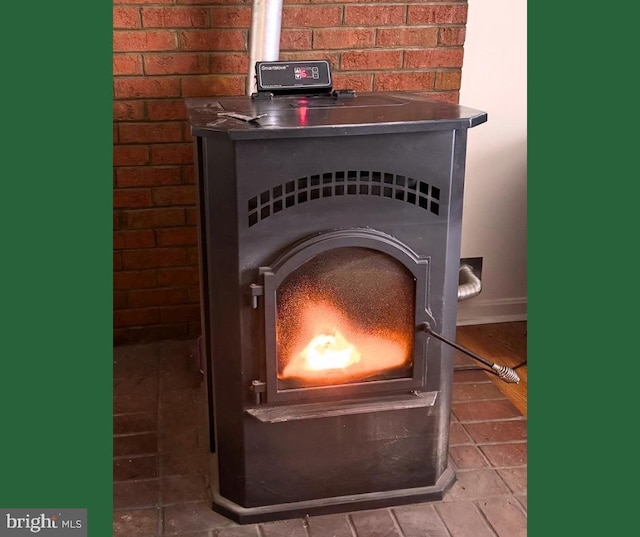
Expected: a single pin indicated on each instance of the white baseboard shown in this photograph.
(478, 311)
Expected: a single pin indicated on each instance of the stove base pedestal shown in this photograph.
(338, 504)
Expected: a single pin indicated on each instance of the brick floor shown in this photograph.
(161, 474)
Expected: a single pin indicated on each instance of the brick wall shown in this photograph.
(166, 50)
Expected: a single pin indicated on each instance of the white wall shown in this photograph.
(494, 226)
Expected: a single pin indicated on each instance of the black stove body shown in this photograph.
(330, 231)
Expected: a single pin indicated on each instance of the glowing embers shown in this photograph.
(328, 351)
(347, 315)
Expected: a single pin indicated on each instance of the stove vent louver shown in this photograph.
(343, 183)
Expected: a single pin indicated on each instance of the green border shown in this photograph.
(56, 279)
(583, 202)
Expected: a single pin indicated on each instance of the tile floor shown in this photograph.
(160, 469)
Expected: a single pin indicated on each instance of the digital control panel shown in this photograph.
(293, 77)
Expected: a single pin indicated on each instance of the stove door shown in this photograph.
(341, 317)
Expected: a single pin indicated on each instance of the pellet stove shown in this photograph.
(330, 229)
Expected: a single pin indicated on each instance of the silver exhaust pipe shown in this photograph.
(264, 36)
(470, 285)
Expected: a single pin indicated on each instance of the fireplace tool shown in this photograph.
(502, 371)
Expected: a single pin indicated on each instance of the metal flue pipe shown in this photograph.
(264, 36)
(470, 285)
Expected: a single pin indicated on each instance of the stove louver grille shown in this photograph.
(343, 183)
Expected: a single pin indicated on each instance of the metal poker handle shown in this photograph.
(502, 371)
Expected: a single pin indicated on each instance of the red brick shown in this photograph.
(331, 57)
(178, 276)
(194, 293)
(343, 38)
(188, 175)
(193, 257)
(192, 2)
(119, 300)
(448, 80)
(130, 155)
(152, 218)
(143, 334)
(151, 132)
(175, 17)
(488, 410)
(497, 431)
(474, 485)
(157, 297)
(125, 240)
(374, 522)
(172, 154)
(126, 17)
(128, 110)
(463, 518)
(371, 59)
(172, 314)
(407, 37)
(448, 97)
(374, 15)
(476, 392)
(452, 36)
(438, 14)
(117, 261)
(143, 40)
(172, 64)
(295, 39)
(467, 457)
(191, 216)
(457, 435)
(229, 63)
(135, 279)
(149, 1)
(186, 236)
(419, 520)
(466, 375)
(434, 57)
(127, 64)
(403, 81)
(152, 258)
(501, 455)
(165, 109)
(195, 330)
(131, 198)
(354, 81)
(505, 516)
(115, 133)
(231, 17)
(117, 219)
(516, 478)
(125, 88)
(314, 17)
(212, 40)
(147, 176)
(188, 137)
(174, 195)
(205, 86)
(136, 317)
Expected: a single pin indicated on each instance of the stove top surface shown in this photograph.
(318, 115)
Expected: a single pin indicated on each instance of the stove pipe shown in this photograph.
(470, 285)
(264, 36)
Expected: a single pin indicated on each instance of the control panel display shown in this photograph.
(293, 77)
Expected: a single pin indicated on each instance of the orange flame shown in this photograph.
(320, 352)
(330, 351)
